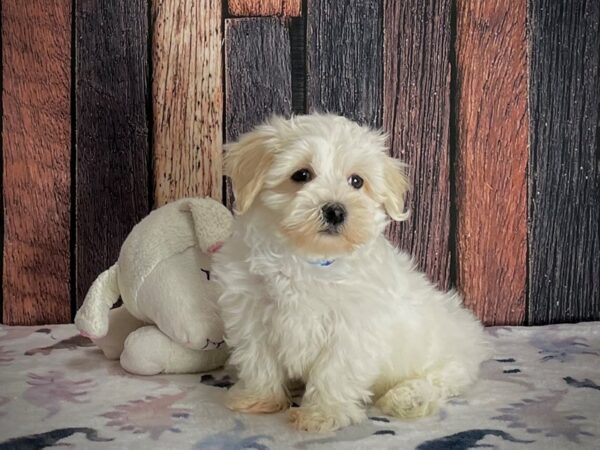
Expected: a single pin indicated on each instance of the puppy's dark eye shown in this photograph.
(302, 176)
(355, 181)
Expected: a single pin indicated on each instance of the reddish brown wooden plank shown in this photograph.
(187, 95)
(416, 113)
(289, 8)
(491, 158)
(564, 169)
(36, 58)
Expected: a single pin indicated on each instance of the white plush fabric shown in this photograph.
(163, 278)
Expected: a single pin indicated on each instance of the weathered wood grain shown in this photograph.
(36, 58)
(187, 98)
(564, 171)
(491, 158)
(344, 52)
(257, 75)
(416, 114)
(298, 63)
(112, 95)
(289, 8)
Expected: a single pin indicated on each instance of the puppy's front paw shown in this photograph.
(320, 420)
(247, 401)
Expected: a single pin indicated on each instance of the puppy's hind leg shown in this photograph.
(419, 397)
(410, 399)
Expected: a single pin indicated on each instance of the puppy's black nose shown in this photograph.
(334, 214)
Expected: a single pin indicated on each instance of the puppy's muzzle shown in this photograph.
(334, 216)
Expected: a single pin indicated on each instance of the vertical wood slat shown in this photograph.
(416, 114)
(288, 8)
(564, 174)
(112, 192)
(257, 75)
(298, 64)
(491, 159)
(36, 58)
(344, 51)
(187, 99)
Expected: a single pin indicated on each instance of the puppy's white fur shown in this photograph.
(368, 327)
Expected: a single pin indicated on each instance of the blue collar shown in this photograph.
(322, 262)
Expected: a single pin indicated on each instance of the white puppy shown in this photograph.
(314, 292)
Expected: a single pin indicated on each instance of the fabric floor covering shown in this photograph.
(540, 391)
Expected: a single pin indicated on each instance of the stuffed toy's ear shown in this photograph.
(396, 187)
(247, 162)
(212, 222)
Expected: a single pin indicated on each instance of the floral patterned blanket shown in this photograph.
(541, 390)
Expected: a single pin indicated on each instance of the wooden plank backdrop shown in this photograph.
(491, 158)
(258, 80)
(36, 134)
(112, 156)
(298, 64)
(494, 105)
(416, 114)
(564, 175)
(345, 79)
(187, 96)
(291, 8)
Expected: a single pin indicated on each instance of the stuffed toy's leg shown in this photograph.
(92, 318)
(148, 351)
(120, 324)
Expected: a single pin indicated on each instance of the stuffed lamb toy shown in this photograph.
(169, 321)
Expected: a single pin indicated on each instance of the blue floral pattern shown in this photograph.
(540, 390)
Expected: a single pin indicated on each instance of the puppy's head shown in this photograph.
(327, 182)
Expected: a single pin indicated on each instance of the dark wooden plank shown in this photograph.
(298, 62)
(112, 131)
(187, 94)
(36, 61)
(564, 175)
(344, 51)
(491, 158)
(257, 75)
(416, 114)
(289, 8)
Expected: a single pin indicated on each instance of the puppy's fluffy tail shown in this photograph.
(92, 318)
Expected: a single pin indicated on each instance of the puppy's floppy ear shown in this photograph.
(396, 187)
(247, 162)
